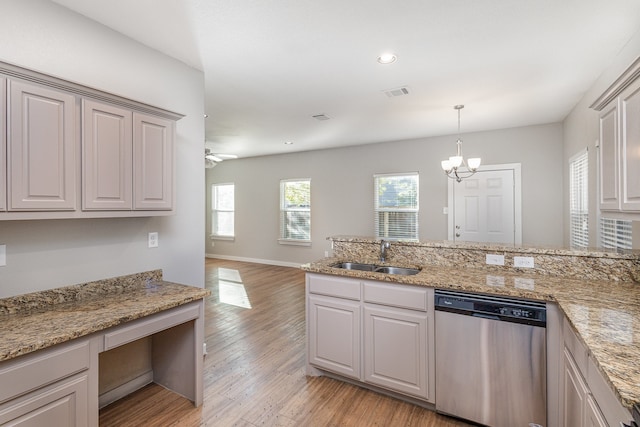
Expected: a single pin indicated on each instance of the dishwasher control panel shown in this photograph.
(492, 307)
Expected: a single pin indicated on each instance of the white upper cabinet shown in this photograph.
(619, 160)
(153, 162)
(3, 144)
(70, 151)
(41, 148)
(106, 156)
(630, 147)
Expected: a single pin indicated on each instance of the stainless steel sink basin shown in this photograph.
(355, 266)
(397, 270)
(377, 268)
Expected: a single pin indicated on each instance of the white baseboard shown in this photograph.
(255, 260)
(125, 389)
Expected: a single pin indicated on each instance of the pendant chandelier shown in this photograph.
(451, 166)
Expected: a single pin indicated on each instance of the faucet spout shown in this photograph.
(384, 245)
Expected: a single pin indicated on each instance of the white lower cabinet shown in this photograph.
(575, 394)
(395, 348)
(334, 335)
(377, 333)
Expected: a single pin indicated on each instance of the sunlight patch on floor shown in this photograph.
(231, 290)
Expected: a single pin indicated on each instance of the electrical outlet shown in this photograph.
(523, 261)
(3, 255)
(326, 254)
(493, 259)
(153, 239)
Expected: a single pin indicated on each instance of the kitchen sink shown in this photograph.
(403, 271)
(355, 266)
(397, 270)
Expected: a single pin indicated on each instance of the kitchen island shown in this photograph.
(596, 294)
(50, 342)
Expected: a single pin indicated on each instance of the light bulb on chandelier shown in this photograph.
(452, 165)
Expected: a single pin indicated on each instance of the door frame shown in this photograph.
(517, 199)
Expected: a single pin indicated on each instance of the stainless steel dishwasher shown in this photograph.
(491, 359)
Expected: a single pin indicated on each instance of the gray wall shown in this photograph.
(342, 189)
(42, 254)
(581, 131)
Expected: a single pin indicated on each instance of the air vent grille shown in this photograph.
(400, 91)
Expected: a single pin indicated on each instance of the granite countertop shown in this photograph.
(605, 314)
(36, 321)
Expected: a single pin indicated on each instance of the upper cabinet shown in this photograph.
(153, 162)
(41, 148)
(619, 160)
(107, 168)
(3, 144)
(69, 151)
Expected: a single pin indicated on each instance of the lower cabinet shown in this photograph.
(377, 333)
(63, 403)
(334, 335)
(395, 348)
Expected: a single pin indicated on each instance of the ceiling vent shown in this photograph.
(320, 117)
(401, 91)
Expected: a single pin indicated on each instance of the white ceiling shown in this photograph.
(271, 65)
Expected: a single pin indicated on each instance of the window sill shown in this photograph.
(294, 242)
(228, 238)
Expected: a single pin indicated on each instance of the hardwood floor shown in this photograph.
(254, 372)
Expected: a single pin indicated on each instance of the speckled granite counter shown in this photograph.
(39, 320)
(605, 313)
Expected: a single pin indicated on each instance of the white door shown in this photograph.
(485, 207)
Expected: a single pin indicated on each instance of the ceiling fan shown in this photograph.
(211, 160)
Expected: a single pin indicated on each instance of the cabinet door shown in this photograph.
(593, 417)
(41, 149)
(630, 147)
(3, 144)
(608, 164)
(334, 335)
(575, 394)
(152, 162)
(395, 349)
(106, 157)
(61, 404)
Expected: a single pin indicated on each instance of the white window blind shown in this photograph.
(579, 200)
(396, 206)
(295, 211)
(222, 210)
(615, 233)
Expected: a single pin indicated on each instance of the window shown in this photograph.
(222, 211)
(615, 233)
(396, 206)
(295, 211)
(578, 200)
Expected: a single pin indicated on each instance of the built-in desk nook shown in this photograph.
(52, 343)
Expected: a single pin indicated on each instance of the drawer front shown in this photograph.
(21, 375)
(403, 296)
(575, 347)
(143, 328)
(334, 286)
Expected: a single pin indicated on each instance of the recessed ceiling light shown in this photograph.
(387, 58)
(288, 143)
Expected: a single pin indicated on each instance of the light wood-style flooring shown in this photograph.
(254, 371)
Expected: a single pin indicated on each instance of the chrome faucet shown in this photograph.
(384, 245)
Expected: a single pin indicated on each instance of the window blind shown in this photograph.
(396, 206)
(615, 233)
(295, 210)
(579, 200)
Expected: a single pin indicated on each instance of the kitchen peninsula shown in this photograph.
(50, 342)
(593, 309)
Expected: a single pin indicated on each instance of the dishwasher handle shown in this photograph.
(486, 316)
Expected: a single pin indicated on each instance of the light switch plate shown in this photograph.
(494, 259)
(153, 239)
(3, 255)
(523, 261)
